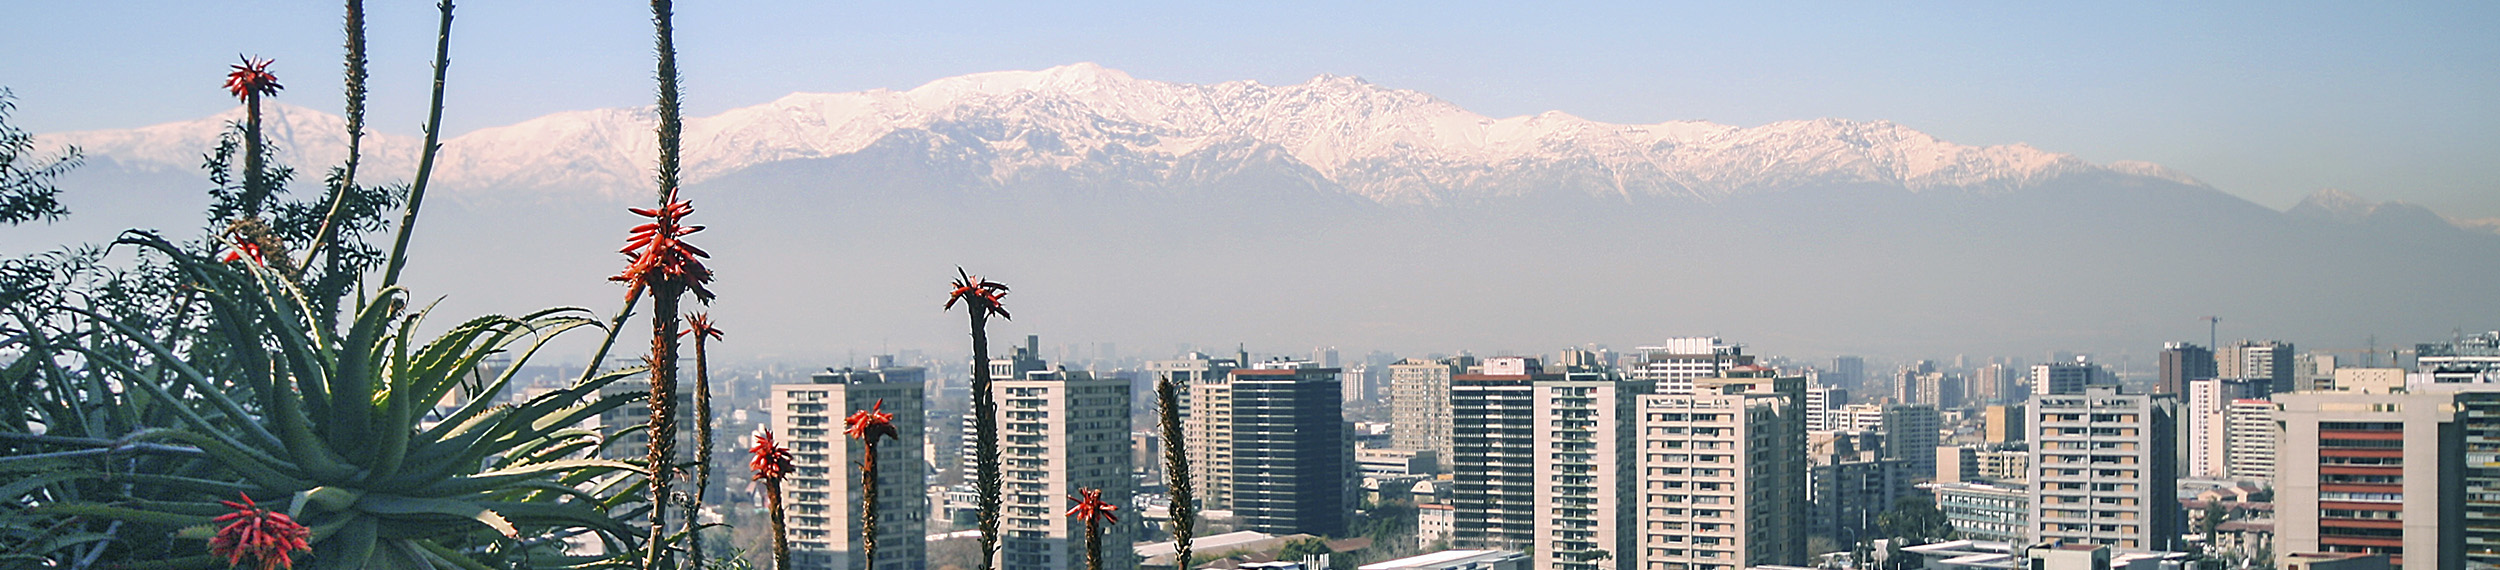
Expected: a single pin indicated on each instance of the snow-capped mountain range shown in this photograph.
(1386, 145)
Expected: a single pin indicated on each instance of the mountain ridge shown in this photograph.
(1388, 146)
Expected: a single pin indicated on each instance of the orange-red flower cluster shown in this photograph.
(242, 249)
(772, 461)
(267, 536)
(250, 78)
(977, 294)
(869, 424)
(660, 256)
(1091, 508)
(700, 325)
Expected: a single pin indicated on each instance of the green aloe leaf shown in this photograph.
(394, 505)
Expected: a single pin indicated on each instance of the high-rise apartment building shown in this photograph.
(2383, 474)
(2269, 360)
(1847, 372)
(2183, 362)
(1673, 365)
(1994, 384)
(1419, 404)
(2004, 424)
(1850, 483)
(1910, 435)
(1821, 401)
(1292, 451)
(1722, 480)
(1060, 431)
(1209, 427)
(2250, 435)
(822, 492)
(1200, 376)
(1493, 465)
(2105, 469)
(2207, 417)
(2060, 378)
(1585, 463)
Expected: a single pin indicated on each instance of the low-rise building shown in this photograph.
(1457, 560)
(1982, 511)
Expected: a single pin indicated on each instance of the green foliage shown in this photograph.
(1304, 547)
(1915, 517)
(27, 193)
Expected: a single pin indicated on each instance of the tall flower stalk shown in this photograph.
(700, 325)
(1091, 509)
(668, 268)
(346, 176)
(1176, 473)
(982, 299)
(868, 426)
(770, 464)
(249, 82)
(425, 155)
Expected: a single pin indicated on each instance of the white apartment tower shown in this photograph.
(822, 493)
(1060, 431)
(1206, 413)
(2208, 423)
(2063, 377)
(1821, 401)
(2106, 469)
(2250, 433)
(1722, 480)
(1585, 461)
(1675, 364)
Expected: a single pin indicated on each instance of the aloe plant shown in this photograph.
(146, 399)
(355, 431)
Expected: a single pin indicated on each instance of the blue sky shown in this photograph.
(2265, 100)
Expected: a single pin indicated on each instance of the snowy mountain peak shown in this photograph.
(1085, 120)
(307, 139)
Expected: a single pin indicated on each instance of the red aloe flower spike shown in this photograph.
(867, 425)
(700, 325)
(772, 461)
(266, 536)
(1091, 508)
(250, 78)
(659, 256)
(978, 294)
